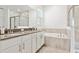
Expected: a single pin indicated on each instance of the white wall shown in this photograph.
(3, 18)
(4, 21)
(56, 17)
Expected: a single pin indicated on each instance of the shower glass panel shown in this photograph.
(71, 31)
(74, 24)
(76, 27)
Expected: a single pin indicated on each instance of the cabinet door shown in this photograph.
(26, 44)
(28, 47)
(8, 44)
(13, 49)
(40, 40)
(23, 38)
(33, 37)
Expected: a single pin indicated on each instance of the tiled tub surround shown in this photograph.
(56, 30)
(58, 43)
(56, 40)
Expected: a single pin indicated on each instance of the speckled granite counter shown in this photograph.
(17, 34)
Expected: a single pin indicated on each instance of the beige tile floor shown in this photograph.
(47, 49)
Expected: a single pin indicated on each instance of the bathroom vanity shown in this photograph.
(18, 17)
(22, 42)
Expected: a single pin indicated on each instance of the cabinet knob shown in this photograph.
(19, 48)
(23, 45)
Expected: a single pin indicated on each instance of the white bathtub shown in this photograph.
(56, 35)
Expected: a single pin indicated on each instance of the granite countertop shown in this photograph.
(17, 34)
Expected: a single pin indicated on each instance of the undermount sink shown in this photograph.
(10, 35)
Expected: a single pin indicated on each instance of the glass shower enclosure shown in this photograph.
(74, 28)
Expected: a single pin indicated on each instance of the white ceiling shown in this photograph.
(25, 7)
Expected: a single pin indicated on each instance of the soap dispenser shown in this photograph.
(2, 30)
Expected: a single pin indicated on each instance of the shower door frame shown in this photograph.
(72, 29)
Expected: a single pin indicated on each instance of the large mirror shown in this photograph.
(18, 17)
(14, 22)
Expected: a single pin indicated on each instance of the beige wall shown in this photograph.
(56, 17)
